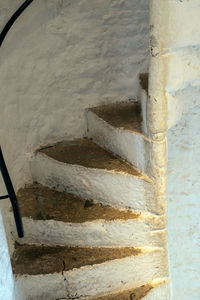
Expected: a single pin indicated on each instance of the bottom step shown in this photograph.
(44, 272)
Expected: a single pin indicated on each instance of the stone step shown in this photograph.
(42, 203)
(43, 272)
(83, 168)
(51, 217)
(118, 128)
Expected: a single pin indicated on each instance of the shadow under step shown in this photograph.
(144, 81)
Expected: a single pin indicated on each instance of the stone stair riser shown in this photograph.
(130, 233)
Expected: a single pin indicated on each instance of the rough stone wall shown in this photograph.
(60, 58)
(175, 66)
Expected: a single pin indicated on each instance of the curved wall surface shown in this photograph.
(60, 58)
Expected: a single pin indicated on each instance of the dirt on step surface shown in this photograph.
(33, 259)
(134, 294)
(88, 154)
(125, 115)
(43, 203)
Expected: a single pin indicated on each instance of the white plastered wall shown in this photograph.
(60, 58)
(175, 63)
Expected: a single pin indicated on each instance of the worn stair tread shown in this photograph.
(35, 260)
(42, 203)
(144, 81)
(88, 154)
(132, 294)
(125, 115)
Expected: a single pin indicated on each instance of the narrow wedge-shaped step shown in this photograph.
(83, 168)
(43, 272)
(52, 217)
(157, 290)
(132, 294)
(118, 127)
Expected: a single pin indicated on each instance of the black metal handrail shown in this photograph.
(12, 20)
(11, 195)
(3, 168)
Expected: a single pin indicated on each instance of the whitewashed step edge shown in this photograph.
(136, 233)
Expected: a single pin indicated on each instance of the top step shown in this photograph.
(125, 115)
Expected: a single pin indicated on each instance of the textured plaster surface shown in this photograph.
(60, 58)
(184, 205)
(6, 277)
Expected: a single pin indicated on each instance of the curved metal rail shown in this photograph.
(12, 20)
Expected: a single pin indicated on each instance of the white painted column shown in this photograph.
(174, 89)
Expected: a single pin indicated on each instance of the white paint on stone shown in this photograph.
(6, 277)
(131, 146)
(117, 189)
(60, 58)
(88, 281)
(99, 233)
(175, 79)
(174, 68)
